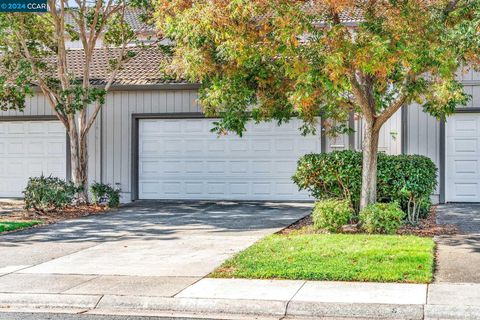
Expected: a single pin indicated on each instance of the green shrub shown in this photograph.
(381, 218)
(425, 207)
(331, 214)
(44, 194)
(104, 193)
(406, 179)
(331, 175)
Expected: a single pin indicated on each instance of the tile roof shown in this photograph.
(133, 17)
(143, 69)
(347, 15)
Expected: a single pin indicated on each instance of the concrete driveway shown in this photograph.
(458, 256)
(147, 248)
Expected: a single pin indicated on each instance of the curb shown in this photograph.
(449, 312)
(48, 301)
(355, 310)
(134, 305)
(194, 305)
(263, 307)
(266, 308)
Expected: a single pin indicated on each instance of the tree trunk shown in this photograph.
(369, 165)
(79, 163)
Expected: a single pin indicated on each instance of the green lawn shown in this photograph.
(15, 225)
(340, 257)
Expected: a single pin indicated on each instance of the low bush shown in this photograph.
(425, 207)
(44, 194)
(406, 179)
(104, 193)
(381, 218)
(331, 214)
(331, 175)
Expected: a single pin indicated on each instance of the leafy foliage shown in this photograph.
(406, 179)
(105, 193)
(331, 175)
(381, 218)
(331, 214)
(44, 194)
(34, 54)
(275, 59)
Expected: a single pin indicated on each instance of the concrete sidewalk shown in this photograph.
(458, 256)
(237, 298)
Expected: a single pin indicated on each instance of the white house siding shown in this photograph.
(423, 137)
(37, 106)
(390, 140)
(423, 130)
(116, 128)
(337, 142)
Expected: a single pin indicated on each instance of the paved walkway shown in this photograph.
(458, 256)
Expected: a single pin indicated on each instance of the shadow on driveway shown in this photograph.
(153, 219)
(458, 256)
(147, 238)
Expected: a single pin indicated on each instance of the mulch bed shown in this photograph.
(305, 222)
(427, 227)
(14, 212)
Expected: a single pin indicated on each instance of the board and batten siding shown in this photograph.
(390, 140)
(423, 130)
(34, 106)
(117, 131)
(423, 137)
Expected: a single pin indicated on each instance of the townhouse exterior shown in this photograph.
(152, 140)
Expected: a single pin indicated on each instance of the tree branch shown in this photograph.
(361, 97)
(387, 113)
(47, 92)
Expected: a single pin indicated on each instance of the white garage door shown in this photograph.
(182, 159)
(30, 148)
(463, 158)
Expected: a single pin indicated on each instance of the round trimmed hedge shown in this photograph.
(408, 180)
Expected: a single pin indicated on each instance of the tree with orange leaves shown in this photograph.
(277, 59)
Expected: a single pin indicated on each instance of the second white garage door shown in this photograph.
(28, 149)
(463, 158)
(182, 159)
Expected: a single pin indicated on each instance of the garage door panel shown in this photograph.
(30, 148)
(464, 191)
(463, 146)
(247, 190)
(463, 158)
(463, 125)
(195, 163)
(469, 167)
(232, 169)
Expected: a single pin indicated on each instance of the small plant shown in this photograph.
(381, 218)
(105, 193)
(44, 194)
(331, 214)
